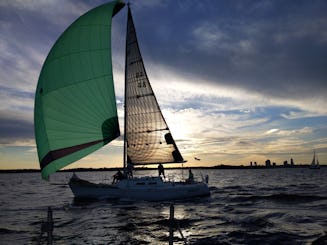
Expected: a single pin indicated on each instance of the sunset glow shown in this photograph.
(235, 84)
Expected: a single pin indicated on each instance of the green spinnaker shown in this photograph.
(75, 105)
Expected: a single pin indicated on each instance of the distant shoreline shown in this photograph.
(168, 168)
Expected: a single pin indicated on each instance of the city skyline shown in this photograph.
(237, 81)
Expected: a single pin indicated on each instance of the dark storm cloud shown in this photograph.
(278, 48)
(15, 129)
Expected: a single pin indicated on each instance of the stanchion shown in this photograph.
(49, 226)
(171, 224)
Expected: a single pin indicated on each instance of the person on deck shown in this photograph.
(190, 177)
(117, 177)
(161, 170)
(129, 171)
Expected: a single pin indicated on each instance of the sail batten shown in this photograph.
(75, 105)
(148, 137)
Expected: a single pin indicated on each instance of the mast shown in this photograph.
(125, 95)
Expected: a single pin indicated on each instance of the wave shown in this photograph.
(183, 223)
(4, 231)
(284, 197)
(280, 197)
(321, 240)
(244, 237)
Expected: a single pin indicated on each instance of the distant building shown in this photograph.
(274, 164)
(292, 162)
(285, 163)
(268, 163)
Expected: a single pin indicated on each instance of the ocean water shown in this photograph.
(246, 206)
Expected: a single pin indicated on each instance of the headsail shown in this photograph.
(148, 138)
(75, 106)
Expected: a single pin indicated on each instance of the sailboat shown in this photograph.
(315, 161)
(76, 112)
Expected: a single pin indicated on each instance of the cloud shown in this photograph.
(271, 131)
(296, 132)
(321, 111)
(196, 91)
(16, 132)
(234, 79)
(45, 9)
(239, 48)
(149, 4)
(209, 37)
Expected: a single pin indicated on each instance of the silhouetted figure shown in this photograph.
(161, 170)
(190, 177)
(118, 176)
(129, 171)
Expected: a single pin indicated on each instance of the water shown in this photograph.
(253, 206)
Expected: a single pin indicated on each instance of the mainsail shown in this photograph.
(147, 136)
(75, 105)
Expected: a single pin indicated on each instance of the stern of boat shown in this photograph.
(85, 189)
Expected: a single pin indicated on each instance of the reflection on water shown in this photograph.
(270, 206)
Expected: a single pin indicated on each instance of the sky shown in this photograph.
(237, 80)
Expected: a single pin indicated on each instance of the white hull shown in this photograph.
(143, 188)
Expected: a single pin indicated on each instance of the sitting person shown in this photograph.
(129, 171)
